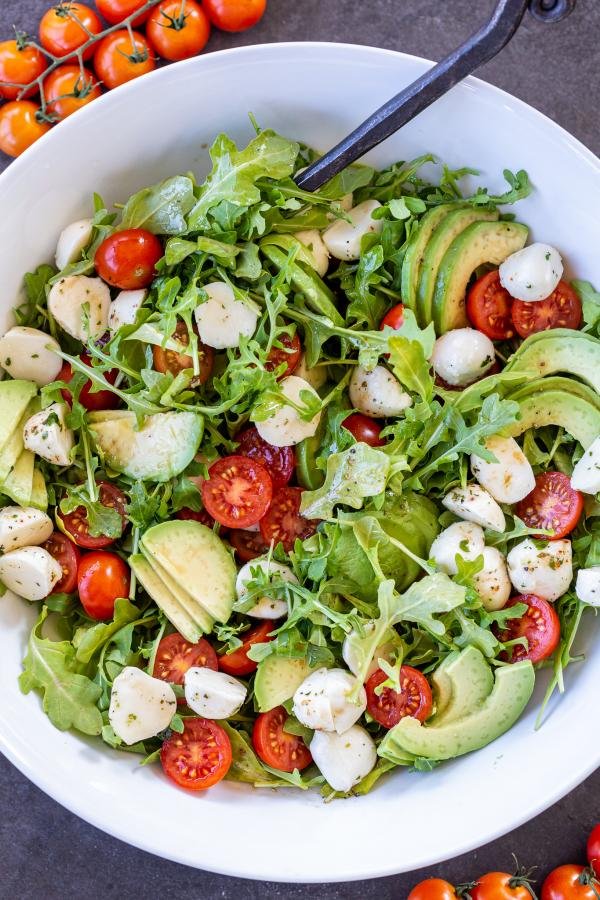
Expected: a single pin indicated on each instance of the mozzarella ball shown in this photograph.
(80, 306)
(140, 706)
(547, 572)
(352, 656)
(511, 478)
(312, 239)
(46, 433)
(30, 354)
(474, 504)
(462, 356)
(124, 308)
(285, 426)
(586, 474)
(532, 273)
(213, 695)
(265, 607)
(343, 238)
(316, 376)
(322, 701)
(72, 242)
(222, 320)
(377, 393)
(344, 759)
(463, 539)
(492, 583)
(587, 585)
(23, 527)
(31, 572)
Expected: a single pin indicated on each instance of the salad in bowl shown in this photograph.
(304, 483)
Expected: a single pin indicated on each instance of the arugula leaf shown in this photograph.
(30, 313)
(590, 303)
(161, 208)
(410, 366)
(356, 473)
(89, 640)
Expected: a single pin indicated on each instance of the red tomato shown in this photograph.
(289, 353)
(489, 307)
(175, 656)
(119, 59)
(68, 89)
(247, 544)
(553, 505)
(278, 461)
(389, 706)
(363, 428)
(275, 746)
(127, 259)
(198, 758)
(92, 400)
(283, 522)
(540, 625)
(170, 361)
(66, 27)
(562, 309)
(593, 849)
(20, 126)
(237, 663)
(19, 66)
(197, 516)
(102, 577)
(394, 317)
(433, 889)
(570, 883)
(237, 492)
(178, 29)
(114, 11)
(500, 886)
(234, 15)
(67, 554)
(75, 524)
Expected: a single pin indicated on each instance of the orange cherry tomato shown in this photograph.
(114, 11)
(275, 746)
(234, 15)
(68, 89)
(432, 889)
(570, 882)
(20, 126)
(199, 757)
(500, 886)
(120, 59)
(19, 65)
(102, 577)
(178, 29)
(67, 26)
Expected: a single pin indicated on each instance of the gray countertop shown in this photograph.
(45, 851)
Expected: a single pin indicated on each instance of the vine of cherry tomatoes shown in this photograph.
(45, 80)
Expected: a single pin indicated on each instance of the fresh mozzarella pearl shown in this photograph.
(222, 320)
(285, 427)
(377, 393)
(69, 299)
(511, 478)
(316, 376)
(211, 694)
(343, 238)
(351, 654)
(265, 607)
(46, 434)
(30, 354)
(124, 308)
(72, 242)
(463, 538)
(492, 583)
(23, 527)
(31, 572)
(473, 504)
(547, 572)
(532, 273)
(312, 239)
(462, 356)
(322, 701)
(140, 706)
(587, 586)
(586, 474)
(344, 759)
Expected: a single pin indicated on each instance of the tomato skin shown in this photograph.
(247, 544)
(363, 428)
(234, 15)
(175, 655)
(499, 886)
(102, 577)
(237, 663)
(127, 259)
(433, 889)
(289, 353)
(279, 462)
(176, 32)
(593, 849)
(200, 757)
(19, 127)
(237, 492)
(19, 67)
(65, 80)
(170, 361)
(283, 522)
(68, 555)
(394, 317)
(415, 698)
(92, 401)
(75, 524)
(60, 34)
(274, 746)
(552, 504)
(562, 309)
(540, 625)
(570, 883)
(489, 307)
(114, 11)
(118, 59)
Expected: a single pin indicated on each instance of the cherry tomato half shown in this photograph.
(247, 544)
(562, 309)
(75, 524)
(365, 429)
(275, 746)
(283, 523)
(570, 883)
(593, 849)
(489, 307)
(175, 655)
(394, 317)
(20, 127)
(289, 353)
(552, 505)
(92, 400)
(114, 11)
(178, 29)
(170, 361)
(199, 757)
(68, 555)
(127, 259)
(70, 80)
(19, 66)
(199, 515)
(234, 15)
(102, 577)
(500, 886)
(237, 492)
(433, 889)
(540, 625)
(278, 461)
(237, 662)
(414, 699)
(65, 27)
(119, 59)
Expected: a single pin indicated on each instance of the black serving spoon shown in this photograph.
(477, 50)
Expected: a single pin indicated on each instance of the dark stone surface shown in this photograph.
(47, 852)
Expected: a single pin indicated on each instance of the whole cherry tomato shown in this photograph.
(593, 849)
(119, 58)
(234, 15)
(178, 29)
(102, 577)
(570, 883)
(19, 65)
(432, 889)
(127, 259)
(20, 126)
(68, 89)
(500, 886)
(114, 11)
(67, 26)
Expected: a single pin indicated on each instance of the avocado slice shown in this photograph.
(479, 243)
(196, 558)
(413, 256)
(165, 601)
(555, 383)
(197, 613)
(461, 683)
(14, 398)
(39, 493)
(446, 232)
(19, 483)
(559, 350)
(512, 690)
(277, 679)
(14, 446)
(558, 401)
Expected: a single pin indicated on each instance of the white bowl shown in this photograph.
(160, 125)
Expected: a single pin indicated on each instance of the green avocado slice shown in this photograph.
(413, 257)
(577, 416)
(461, 683)
(197, 613)
(559, 350)
(277, 679)
(156, 588)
